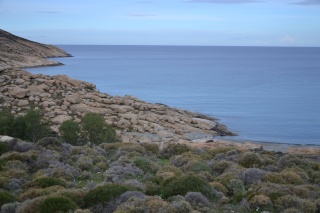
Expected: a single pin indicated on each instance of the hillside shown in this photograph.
(19, 52)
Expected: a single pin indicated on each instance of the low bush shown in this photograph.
(151, 147)
(105, 193)
(145, 164)
(210, 154)
(289, 201)
(250, 160)
(285, 177)
(261, 202)
(45, 182)
(6, 197)
(173, 149)
(57, 204)
(184, 184)
(197, 166)
(49, 142)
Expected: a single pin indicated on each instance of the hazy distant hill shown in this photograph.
(19, 52)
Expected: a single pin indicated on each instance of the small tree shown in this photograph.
(70, 131)
(96, 130)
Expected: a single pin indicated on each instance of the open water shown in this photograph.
(269, 94)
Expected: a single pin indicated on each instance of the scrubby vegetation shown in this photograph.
(81, 171)
(52, 176)
(33, 126)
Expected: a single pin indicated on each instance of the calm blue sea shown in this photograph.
(269, 94)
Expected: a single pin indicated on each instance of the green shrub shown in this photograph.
(70, 131)
(173, 149)
(289, 201)
(145, 164)
(96, 130)
(220, 166)
(197, 166)
(3, 147)
(184, 184)
(37, 126)
(285, 177)
(250, 160)
(57, 204)
(6, 122)
(105, 193)
(6, 197)
(45, 182)
(151, 147)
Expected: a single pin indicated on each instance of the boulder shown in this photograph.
(18, 92)
(23, 103)
(60, 119)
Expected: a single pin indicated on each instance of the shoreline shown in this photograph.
(268, 146)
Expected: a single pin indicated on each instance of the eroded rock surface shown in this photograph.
(62, 98)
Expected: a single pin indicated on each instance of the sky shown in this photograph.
(165, 22)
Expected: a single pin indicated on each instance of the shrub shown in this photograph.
(173, 149)
(145, 164)
(105, 193)
(184, 184)
(289, 201)
(4, 147)
(96, 130)
(253, 176)
(37, 126)
(221, 166)
(49, 142)
(249, 160)
(6, 122)
(197, 199)
(214, 151)
(45, 182)
(9, 207)
(197, 166)
(70, 131)
(261, 202)
(151, 147)
(57, 204)
(30, 206)
(6, 197)
(285, 177)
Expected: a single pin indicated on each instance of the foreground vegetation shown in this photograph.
(52, 176)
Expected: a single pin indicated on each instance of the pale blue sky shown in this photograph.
(165, 22)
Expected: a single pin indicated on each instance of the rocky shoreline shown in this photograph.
(62, 98)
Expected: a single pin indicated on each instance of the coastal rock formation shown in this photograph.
(20, 52)
(62, 98)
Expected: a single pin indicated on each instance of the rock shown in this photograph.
(60, 119)
(23, 103)
(19, 81)
(18, 92)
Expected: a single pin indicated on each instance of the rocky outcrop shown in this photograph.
(20, 52)
(62, 98)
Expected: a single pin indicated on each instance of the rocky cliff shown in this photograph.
(20, 52)
(62, 98)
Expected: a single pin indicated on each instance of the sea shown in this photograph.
(264, 94)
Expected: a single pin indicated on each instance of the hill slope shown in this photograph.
(19, 52)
